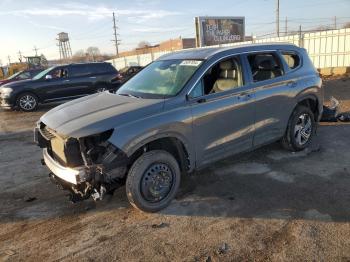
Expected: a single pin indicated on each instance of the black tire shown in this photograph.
(139, 173)
(32, 100)
(295, 140)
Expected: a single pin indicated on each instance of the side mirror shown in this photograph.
(48, 77)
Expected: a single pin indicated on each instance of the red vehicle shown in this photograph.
(21, 75)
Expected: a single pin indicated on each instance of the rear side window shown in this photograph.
(292, 59)
(80, 70)
(102, 68)
(265, 66)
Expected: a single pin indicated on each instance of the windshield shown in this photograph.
(161, 78)
(13, 76)
(43, 73)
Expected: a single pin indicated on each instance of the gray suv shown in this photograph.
(179, 114)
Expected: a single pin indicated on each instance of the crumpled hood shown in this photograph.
(98, 113)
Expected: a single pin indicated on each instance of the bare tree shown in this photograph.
(93, 52)
(347, 25)
(143, 44)
(43, 60)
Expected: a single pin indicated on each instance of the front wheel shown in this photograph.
(27, 102)
(153, 181)
(301, 129)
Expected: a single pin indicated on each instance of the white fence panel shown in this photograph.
(326, 49)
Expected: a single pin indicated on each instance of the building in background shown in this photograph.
(169, 45)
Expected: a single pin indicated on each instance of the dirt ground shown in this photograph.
(269, 204)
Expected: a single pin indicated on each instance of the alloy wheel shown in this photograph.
(303, 129)
(27, 102)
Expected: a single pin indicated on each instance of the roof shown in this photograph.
(207, 52)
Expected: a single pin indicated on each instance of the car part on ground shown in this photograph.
(332, 113)
(181, 113)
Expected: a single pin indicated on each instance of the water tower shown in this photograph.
(64, 45)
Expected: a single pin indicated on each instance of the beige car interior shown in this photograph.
(229, 76)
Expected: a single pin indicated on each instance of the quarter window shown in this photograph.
(265, 66)
(292, 59)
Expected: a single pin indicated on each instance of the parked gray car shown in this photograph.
(179, 114)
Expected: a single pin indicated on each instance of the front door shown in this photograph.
(223, 112)
(58, 86)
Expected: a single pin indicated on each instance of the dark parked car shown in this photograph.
(21, 75)
(179, 114)
(59, 83)
(128, 72)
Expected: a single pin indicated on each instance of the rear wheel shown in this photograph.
(301, 129)
(27, 102)
(153, 181)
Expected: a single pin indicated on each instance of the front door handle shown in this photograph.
(201, 100)
(244, 96)
(67, 80)
(292, 84)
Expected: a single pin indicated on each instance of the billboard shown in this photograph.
(219, 30)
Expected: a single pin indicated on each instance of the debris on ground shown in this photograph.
(160, 225)
(331, 113)
(344, 117)
(10, 252)
(223, 249)
(30, 199)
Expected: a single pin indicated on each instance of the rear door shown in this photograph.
(82, 79)
(223, 121)
(272, 94)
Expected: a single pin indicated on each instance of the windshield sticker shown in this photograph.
(191, 63)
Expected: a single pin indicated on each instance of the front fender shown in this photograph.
(177, 124)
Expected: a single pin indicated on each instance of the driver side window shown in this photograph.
(224, 75)
(59, 73)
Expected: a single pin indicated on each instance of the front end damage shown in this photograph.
(87, 167)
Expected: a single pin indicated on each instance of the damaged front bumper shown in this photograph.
(70, 175)
(87, 167)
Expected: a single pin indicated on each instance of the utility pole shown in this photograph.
(36, 51)
(116, 41)
(278, 17)
(335, 22)
(20, 56)
(9, 58)
(286, 27)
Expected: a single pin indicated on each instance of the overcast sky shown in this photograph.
(29, 23)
